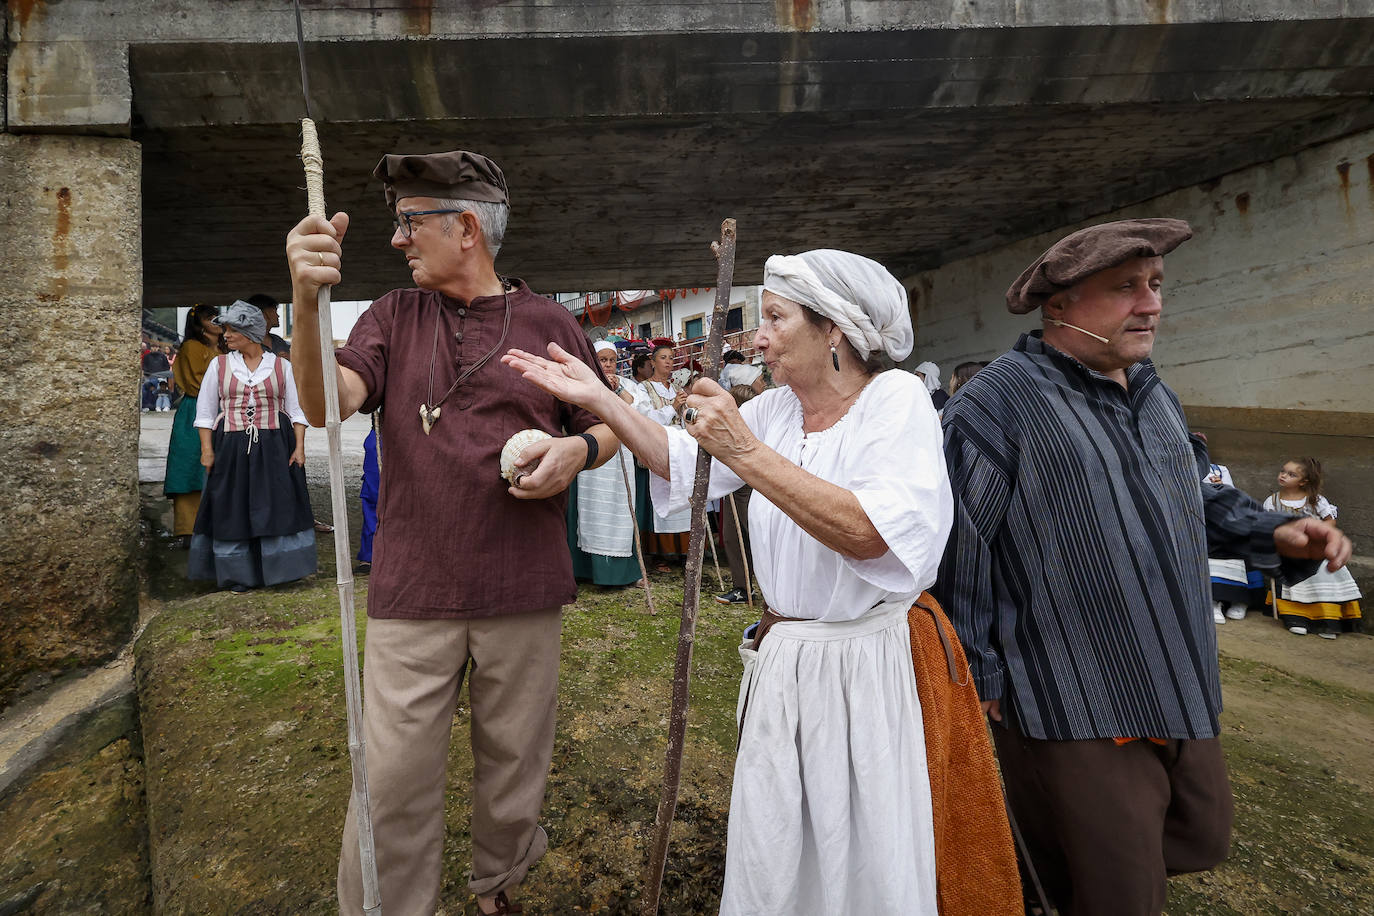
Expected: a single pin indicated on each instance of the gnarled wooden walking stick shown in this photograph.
(724, 251)
(357, 748)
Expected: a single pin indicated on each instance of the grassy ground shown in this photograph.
(247, 767)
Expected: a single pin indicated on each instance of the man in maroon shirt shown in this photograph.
(469, 574)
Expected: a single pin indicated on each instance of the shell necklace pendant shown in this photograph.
(428, 417)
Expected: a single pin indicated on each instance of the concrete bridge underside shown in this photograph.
(624, 152)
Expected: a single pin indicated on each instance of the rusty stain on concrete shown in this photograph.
(1343, 171)
(1243, 203)
(1369, 166)
(419, 17)
(61, 237)
(796, 14)
(23, 10)
(1160, 13)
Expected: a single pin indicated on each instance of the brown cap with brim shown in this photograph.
(1085, 252)
(457, 175)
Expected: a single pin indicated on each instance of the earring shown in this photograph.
(835, 357)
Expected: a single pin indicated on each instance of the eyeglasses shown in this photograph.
(403, 219)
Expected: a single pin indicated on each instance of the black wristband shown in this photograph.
(593, 449)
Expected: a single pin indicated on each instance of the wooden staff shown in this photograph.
(357, 750)
(715, 558)
(724, 250)
(639, 547)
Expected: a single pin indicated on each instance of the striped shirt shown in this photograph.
(1076, 573)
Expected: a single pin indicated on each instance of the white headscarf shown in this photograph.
(603, 345)
(858, 294)
(931, 372)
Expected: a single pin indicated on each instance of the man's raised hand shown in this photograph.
(314, 254)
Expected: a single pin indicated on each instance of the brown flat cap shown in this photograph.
(458, 175)
(1085, 252)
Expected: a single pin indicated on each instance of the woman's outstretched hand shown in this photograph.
(562, 375)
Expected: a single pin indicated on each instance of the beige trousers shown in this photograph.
(412, 672)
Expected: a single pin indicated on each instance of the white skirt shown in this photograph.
(830, 810)
(1228, 571)
(1323, 587)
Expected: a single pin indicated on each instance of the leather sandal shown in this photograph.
(503, 906)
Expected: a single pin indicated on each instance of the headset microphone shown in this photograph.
(1065, 324)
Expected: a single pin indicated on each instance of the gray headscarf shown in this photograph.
(246, 319)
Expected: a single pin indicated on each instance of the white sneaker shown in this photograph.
(1327, 635)
(1217, 615)
(1298, 631)
(1236, 612)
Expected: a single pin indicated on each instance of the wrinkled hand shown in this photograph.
(992, 709)
(297, 458)
(314, 255)
(1313, 539)
(558, 461)
(718, 425)
(562, 375)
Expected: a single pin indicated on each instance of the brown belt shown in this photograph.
(766, 623)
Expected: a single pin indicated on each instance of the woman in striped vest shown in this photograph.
(254, 526)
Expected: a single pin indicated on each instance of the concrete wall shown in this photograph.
(1268, 327)
(70, 285)
(1269, 306)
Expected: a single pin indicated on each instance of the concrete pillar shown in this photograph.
(71, 285)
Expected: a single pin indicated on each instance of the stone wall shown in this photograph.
(70, 289)
(1268, 326)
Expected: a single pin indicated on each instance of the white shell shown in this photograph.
(514, 446)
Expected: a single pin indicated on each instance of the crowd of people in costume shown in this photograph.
(1029, 546)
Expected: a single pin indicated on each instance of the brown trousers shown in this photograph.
(1106, 825)
(185, 506)
(412, 672)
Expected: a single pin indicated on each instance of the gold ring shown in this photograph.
(320, 255)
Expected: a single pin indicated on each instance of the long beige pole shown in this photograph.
(724, 251)
(357, 748)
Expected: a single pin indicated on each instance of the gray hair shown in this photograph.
(492, 217)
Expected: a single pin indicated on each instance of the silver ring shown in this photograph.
(689, 415)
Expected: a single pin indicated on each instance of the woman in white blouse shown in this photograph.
(831, 808)
(254, 526)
